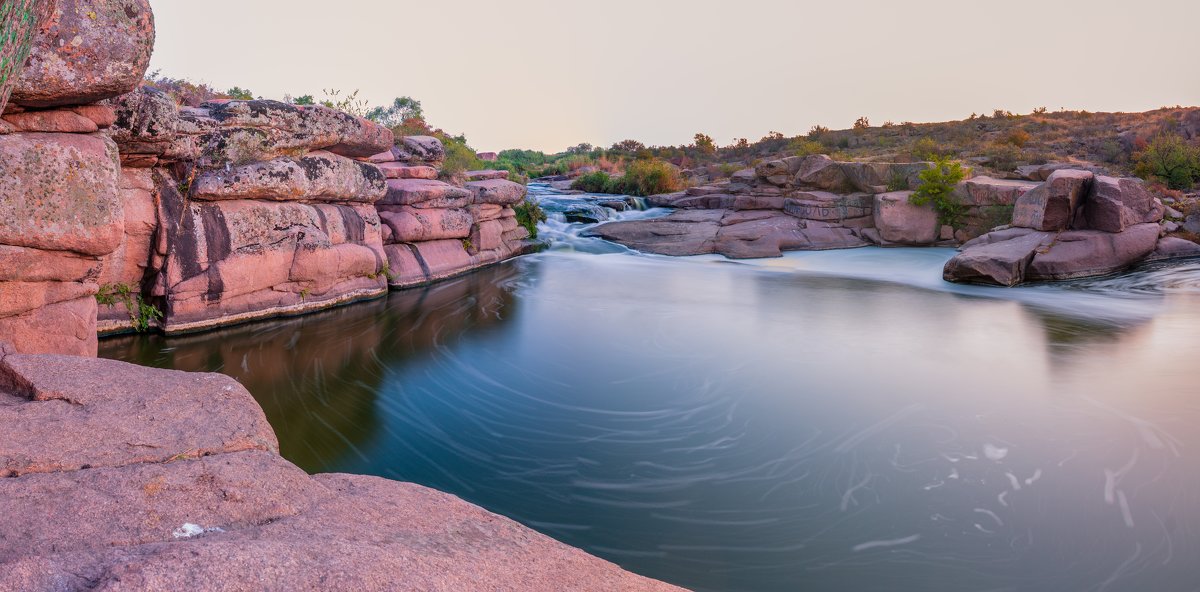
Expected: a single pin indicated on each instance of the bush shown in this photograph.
(1017, 137)
(529, 214)
(1170, 160)
(651, 177)
(597, 182)
(927, 149)
(937, 187)
(460, 158)
(804, 147)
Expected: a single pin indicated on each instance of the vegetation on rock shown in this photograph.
(529, 214)
(1170, 160)
(141, 314)
(937, 188)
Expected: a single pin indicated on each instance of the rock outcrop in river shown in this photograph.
(1072, 223)
(119, 477)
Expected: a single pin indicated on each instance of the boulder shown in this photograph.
(52, 121)
(1051, 206)
(88, 51)
(147, 123)
(999, 260)
(878, 177)
(397, 170)
(829, 207)
(1113, 204)
(986, 191)
(67, 327)
(317, 176)
(485, 175)
(409, 224)
(779, 172)
(497, 191)
(686, 232)
(1085, 253)
(902, 223)
(822, 173)
(1174, 248)
(425, 193)
(414, 150)
(59, 192)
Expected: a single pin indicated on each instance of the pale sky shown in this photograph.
(548, 74)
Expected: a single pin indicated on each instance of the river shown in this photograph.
(826, 421)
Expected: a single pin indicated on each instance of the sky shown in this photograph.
(549, 74)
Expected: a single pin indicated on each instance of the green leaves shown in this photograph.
(937, 187)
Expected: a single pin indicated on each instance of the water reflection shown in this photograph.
(734, 427)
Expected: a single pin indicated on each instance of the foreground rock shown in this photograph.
(185, 490)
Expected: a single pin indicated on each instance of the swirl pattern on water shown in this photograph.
(824, 421)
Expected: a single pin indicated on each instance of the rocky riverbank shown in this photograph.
(1064, 222)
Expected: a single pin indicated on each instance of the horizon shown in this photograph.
(602, 93)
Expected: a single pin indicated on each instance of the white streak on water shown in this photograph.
(862, 436)
(1036, 475)
(1125, 513)
(848, 496)
(994, 453)
(1000, 498)
(1016, 483)
(992, 514)
(1137, 552)
(886, 543)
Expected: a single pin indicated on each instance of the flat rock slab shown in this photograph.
(65, 413)
(748, 234)
(316, 176)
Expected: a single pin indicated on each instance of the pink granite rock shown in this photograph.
(900, 222)
(497, 191)
(1174, 248)
(67, 327)
(1000, 260)
(1051, 206)
(409, 224)
(1113, 204)
(316, 176)
(1083, 253)
(406, 192)
(52, 121)
(986, 191)
(396, 170)
(89, 50)
(485, 175)
(59, 192)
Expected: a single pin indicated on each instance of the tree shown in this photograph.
(239, 93)
(402, 109)
(304, 100)
(20, 20)
(583, 148)
(705, 144)
(862, 123)
(937, 187)
(1171, 160)
(628, 146)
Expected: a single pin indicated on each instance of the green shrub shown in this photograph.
(1170, 160)
(937, 188)
(651, 177)
(460, 158)
(806, 147)
(529, 213)
(597, 182)
(926, 149)
(141, 314)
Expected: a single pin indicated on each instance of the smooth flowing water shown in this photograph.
(827, 421)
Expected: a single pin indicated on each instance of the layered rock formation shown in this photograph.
(813, 203)
(1074, 224)
(61, 206)
(119, 477)
(434, 230)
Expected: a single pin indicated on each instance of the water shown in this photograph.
(826, 421)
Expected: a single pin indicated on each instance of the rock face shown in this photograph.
(89, 51)
(61, 208)
(1075, 224)
(127, 478)
(434, 230)
(901, 222)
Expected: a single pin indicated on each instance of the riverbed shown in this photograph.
(839, 420)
